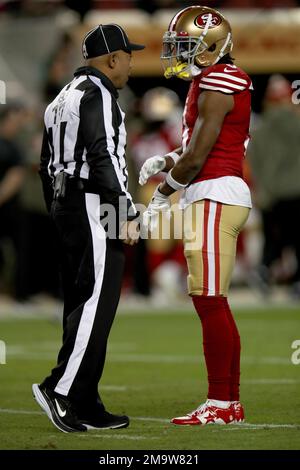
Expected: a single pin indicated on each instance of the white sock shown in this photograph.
(219, 403)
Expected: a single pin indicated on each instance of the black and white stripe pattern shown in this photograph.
(85, 136)
(92, 268)
(89, 310)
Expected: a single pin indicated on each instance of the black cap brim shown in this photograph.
(135, 47)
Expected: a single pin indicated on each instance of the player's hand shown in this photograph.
(151, 167)
(159, 203)
(130, 232)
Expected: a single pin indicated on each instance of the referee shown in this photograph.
(83, 167)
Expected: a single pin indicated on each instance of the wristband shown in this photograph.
(173, 183)
(175, 157)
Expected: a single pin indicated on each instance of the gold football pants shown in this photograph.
(210, 235)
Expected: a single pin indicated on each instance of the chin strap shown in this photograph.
(183, 71)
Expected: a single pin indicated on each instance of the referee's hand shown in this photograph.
(130, 232)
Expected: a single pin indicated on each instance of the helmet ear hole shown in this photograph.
(212, 48)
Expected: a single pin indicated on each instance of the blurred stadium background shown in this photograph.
(39, 49)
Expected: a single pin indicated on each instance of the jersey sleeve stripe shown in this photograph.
(228, 77)
(216, 82)
(216, 88)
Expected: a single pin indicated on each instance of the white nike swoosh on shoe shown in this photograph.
(229, 70)
(61, 412)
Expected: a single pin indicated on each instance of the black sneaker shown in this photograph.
(105, 420)
(58, 409)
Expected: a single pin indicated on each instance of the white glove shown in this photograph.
(151, 167)
(159, 203)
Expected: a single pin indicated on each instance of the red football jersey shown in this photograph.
(226, 156)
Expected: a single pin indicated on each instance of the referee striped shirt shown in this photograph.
(85, 137)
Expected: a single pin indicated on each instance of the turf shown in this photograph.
(153, 373)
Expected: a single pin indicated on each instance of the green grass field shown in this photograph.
(153, 373)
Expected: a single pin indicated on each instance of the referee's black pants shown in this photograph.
(92, 269)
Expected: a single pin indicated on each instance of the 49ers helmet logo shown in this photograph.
(201, 20)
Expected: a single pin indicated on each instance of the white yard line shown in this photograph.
(271, 381)
(154, 420)
(20, 412)
(247, 426)
(53, 346)
(24, 353)
(233, 427)
(28, 412)
(53, 311)
(114, 388)
(185, 359)
(115, 436)
(259, 381)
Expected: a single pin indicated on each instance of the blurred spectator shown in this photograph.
(259, 3)
(274, 155)
(159, 133)
(81, 7)
(152, 5)
(60, 67)
(12, 173)
(30, 7)
(37, 227)
(24, 223)
(113, 4)
(46, 7)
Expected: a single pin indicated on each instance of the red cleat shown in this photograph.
(207, 414)
(239, 415)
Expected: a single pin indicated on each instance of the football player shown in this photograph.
(216, 199)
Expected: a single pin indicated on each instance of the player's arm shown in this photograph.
(212, 107)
